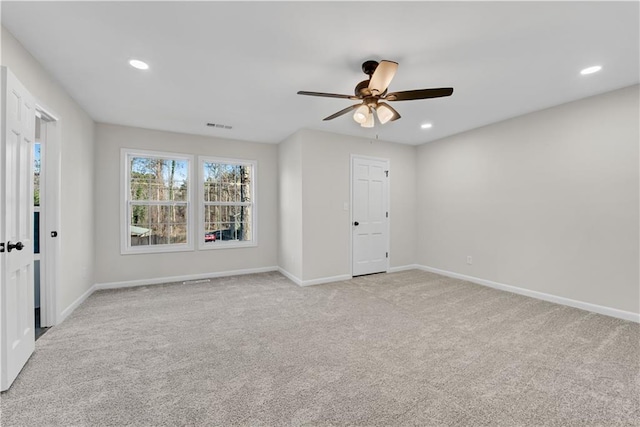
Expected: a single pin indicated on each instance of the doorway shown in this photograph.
(369, 215)
(45, 219)
(38, 219)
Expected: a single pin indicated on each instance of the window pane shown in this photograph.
(158, 179)
(140, 188)
(159, 234)
(140, 230)
(212, 191)
(230, 192)
(36, 232)
(226, 223)
(180, 190)
(178, 233)
(158, 224)
(36, 173)
(227, 183)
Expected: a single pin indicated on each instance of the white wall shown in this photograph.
(325, 186)
(112, 267)
(77, 226)
(548, 201)
(290, 208)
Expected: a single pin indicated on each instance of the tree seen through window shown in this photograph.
(158, 200)
(228, 202)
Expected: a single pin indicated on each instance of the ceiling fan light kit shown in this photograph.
(369, 122)
(386, 113)
(373, 93)
(361, 114)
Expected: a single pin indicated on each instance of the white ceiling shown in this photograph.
(241, 63)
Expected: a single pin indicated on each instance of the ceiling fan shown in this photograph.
(373, 93)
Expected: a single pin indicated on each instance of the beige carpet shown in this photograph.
(409, 348)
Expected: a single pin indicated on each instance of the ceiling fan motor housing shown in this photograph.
(369, 67)
(362, 89)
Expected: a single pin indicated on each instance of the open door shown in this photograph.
(17, 339)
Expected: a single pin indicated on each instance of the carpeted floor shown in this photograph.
(409, 348)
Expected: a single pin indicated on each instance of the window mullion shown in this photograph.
(228, 203)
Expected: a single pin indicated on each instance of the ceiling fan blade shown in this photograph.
(382, 77)
(341, 112)
(327, 95)
(409, 95)
(386, 113)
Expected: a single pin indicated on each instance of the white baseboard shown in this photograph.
(312, 282)
(324, 280)
(403, 268)
(607, 311)
(154, 281)
(183, 278)
(339, 278)
(67, 311)
(290, 276)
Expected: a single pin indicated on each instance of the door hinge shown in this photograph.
(387, 255)
(1, 247)
(387, 214)
(386, 173)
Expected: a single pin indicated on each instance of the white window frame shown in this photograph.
(254, 204)
(125, 200)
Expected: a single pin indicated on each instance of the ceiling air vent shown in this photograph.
(219, 126)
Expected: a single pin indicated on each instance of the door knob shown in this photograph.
(17, 246)
(356, 223)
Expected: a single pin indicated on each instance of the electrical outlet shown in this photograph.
(469, 260)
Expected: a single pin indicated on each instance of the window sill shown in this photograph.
(229, 245)
(156, 249)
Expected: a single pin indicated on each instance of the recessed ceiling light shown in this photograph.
(591, 70)
(426, 125)
(140, 65)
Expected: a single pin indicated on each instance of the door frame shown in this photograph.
(50, 183)
(387, 201)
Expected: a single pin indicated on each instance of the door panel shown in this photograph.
(370, 188)
(17, 339)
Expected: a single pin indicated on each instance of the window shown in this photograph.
(228, 203)
(157, 208)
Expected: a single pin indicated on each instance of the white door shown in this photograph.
(370, 212)
(16, 229)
